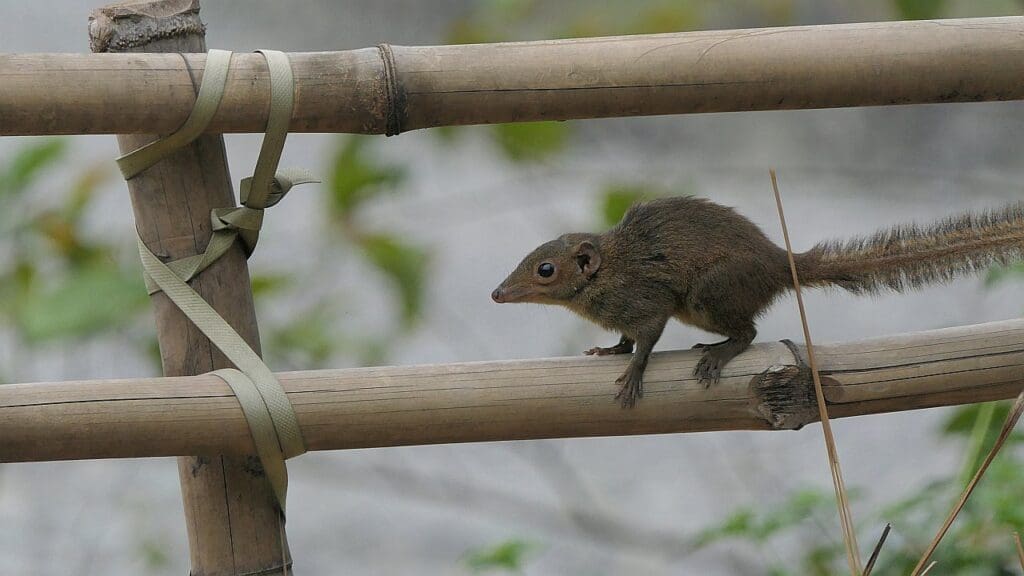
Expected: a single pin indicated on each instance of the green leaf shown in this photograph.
(269, 284)
(919, 9)
(489, 21)
(22, 275)
(445, 134)
(28, 163)
(508, 555)
(999, 499)
(83, 191)
(617, 199)
(153, 554)
(470, 31)
(357, 176)
(405, 265)
(531, 141)
(961, 422)
(755, 526)
(999, 274)
(511, 10)
(308, 340)
(674, 17)
(738, 524)
(916, 503)
(372, 351)
(91, 300)
(65, 238)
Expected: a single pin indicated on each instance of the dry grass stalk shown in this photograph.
(846, 519)
(878, 549)
(1020, 549)
(1011, 421)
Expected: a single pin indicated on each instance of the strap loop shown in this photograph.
(211, 89)
(257, 415)
(265, 188)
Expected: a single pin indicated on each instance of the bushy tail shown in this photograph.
(909, 256)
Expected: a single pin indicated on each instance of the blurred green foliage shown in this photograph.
(306, 340)
(56, 280)
(28, 163)
(979, 542)
(154, 555)
(531, 141)
(405, 265)
(59, 281)
(507, 556)
(358, 177)
(919, 9)
(998, 274)
(759, 527)
(90, 299)
(617, 198)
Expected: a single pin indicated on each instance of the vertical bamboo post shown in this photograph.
(232, 523)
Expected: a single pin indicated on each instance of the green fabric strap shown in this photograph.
(266, 399)
(264, 436)
(215, 77)
(275, 429)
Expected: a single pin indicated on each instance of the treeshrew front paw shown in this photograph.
(631, 388)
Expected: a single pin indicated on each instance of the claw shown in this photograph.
(707, 371)
(631, 389)
(709, 368)
(623, 347)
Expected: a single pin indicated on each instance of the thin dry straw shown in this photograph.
(846, 519)
(1011, 421)
(1020, 549)
(929, 568)
(878, 549)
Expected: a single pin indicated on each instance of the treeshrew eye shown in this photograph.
(546, 270)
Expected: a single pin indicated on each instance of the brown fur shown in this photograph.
(712, 268)
(910, 256)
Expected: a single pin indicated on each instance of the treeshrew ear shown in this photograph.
(587, 258)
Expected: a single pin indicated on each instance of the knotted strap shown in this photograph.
(263, 189)
(270, 416)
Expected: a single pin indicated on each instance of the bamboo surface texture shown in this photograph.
(392, 89)
(765, 388)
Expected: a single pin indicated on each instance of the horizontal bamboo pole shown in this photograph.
(763, 389)
(392, 89)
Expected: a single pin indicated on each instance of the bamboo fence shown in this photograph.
(766, 388)
(142, 81)
(392, 89)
